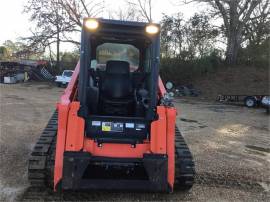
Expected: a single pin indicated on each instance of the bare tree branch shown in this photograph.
(143, 9)
(83, 3)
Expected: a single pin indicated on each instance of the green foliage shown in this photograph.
(181, 71)
(188, 47)
(4, 54)
(256, 54)
(18, 49)
(69, 60)
(187, 39)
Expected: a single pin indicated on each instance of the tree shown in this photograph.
(166, 36)
(57, 20)
(130, 12)
(258, 29)
(51, 22)
(201, 34)
(139, 10)
(4, 54)
(235, 14)
(187, 39)
(145, 9)
(14, 50)
(69, 59)
(76, 10)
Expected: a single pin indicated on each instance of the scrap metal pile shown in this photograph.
(23, 70)
(183, 90)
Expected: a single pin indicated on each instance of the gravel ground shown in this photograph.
(230, 144)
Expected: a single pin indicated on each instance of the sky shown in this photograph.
(15, 24)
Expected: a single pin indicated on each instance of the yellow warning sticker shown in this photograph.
(106, 126)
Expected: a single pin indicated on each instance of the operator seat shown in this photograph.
(116, 89)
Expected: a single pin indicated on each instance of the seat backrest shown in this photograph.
(117, 82)
(117, 67)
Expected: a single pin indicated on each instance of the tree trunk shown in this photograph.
(233, 45)
(58, 53)
(50, 54)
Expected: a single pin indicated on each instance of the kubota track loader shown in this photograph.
(114, 127)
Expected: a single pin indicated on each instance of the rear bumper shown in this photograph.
(81, 171)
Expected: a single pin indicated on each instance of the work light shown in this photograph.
(91, 24)
(152, 29)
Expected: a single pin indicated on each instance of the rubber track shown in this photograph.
(184, 164)
(41, 161)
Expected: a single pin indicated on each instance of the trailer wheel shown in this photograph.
(250, 101)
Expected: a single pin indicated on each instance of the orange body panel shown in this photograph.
(60, 142)
(70, 135)
(158, 132)
(75, 129)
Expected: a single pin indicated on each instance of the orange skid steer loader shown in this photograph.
(114, 127)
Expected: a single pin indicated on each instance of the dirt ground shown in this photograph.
(230, 144)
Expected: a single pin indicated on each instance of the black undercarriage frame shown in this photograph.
(146, 174)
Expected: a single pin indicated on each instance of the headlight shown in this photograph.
(91, 24)
(152, 29)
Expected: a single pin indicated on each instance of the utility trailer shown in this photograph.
(248, 100)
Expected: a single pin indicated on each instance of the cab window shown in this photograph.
(116, 51)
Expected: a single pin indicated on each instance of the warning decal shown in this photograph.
(106, 126)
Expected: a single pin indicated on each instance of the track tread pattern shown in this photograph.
(41, 161)
(184, 164)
